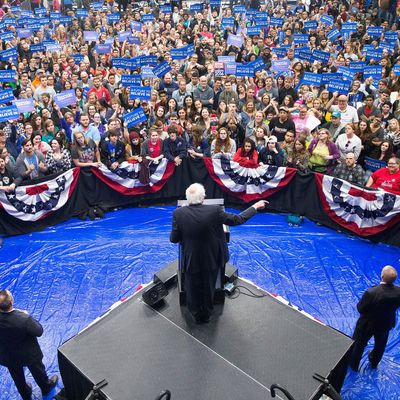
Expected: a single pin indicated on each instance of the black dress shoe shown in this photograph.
(373, 366)
(51, 383)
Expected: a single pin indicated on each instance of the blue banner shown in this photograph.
(148, 18)
(136, 26)
(227, 23)
(258, 64)
(357, 66)
(125, 63)
(24, 33)
(150, 60)
(10, 21)
(226, 59)
(244, 70)
(90, 36)
(53, 47)
(310, 25)
(8, 113)
(65, 20)
(103, 48)
(333, 34)
(374, 31)
(279, 51)
(140, 92)
(9, 54)
(15, 9)
(340, 86)
(299, 38)
(196, 7)
(346, 72)
(6, 96)
(327, 20)
(166, 8)
(312, 79)
(179, 53)
(235, 40)
(6, 36)
(280, 65)
(135, 117)
(40, 10)
(319, 55)
(254, 30)
(161, 69)
(82, 13)
(373, 71)
(329, 76)
(122, 36)
(391, 36)
(78, 58)
(128, 80)
(147, 72)
(114, 18)
(24, 105)
(134, 40)
(66, 98)
(274, 21)
(374, 54)
(239, 9)
(305, 55)
(396, 69)
(215, 3)
(97, 5)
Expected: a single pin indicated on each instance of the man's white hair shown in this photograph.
(195, 193)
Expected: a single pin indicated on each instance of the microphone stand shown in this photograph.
(95, 392)
(283, 390)
(329, 390)
(164, 393)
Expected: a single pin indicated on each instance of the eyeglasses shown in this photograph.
(347, 144)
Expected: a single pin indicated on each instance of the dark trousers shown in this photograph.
(361, 338)
(38, 372)
(200, 289)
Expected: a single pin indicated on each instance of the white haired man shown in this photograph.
(199, 229)
(377, 309)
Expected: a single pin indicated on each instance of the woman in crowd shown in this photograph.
(50, 131)
(223, 145)
(152, 148)
(348, 142)
(392, 133)
(323, 152)
(39, 145)
(84, 152)
(260, 138)
(97, 123)
(258, 122)
(379, 157)
(133, 148)
(198, 145)
(299, 157)
(247, 155)
(58, 159)
(272, 154)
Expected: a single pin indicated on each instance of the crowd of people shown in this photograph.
(200, 107)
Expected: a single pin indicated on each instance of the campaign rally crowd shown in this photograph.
(310, 86)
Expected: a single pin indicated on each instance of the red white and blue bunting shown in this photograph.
(34, 202)
(362, 211)
(125, 179)
(248, 183)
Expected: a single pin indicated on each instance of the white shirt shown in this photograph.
(348, 116)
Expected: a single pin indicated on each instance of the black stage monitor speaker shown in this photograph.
(154, 293)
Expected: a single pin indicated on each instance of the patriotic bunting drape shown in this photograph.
(125, 179)
(361, 211)
(34, 202)
(248, 183)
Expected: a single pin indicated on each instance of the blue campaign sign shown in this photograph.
(333, 34)
(357, 66)
(133, 40)
(10, 21)
(226, 59)
(150, 60)
(16, 9)
(53, 47)
(66, 20)
(24, 33)
(238, 9)
(235, 40)
(310, 25)
(215, 3)
(55, 16)
(274, 21)
(135, 117)
(166, 8)
(374, 31)
(372, 164)
(244, 70)
(258, 64)
(9, 54)
(299, 38)
(279, 51)
(114, 18)
(348, 28)
(96, 5)
(77, 57)
(196, 7)
(327, 20)
(40, 10)
(280, 65)
(391, 36)
(261, 23)
(140, 92)
(340, 86)
(2, 26)
(129, 80)
(8, 113)
(147, 18)
(386, 45)
(126, 63)
(330, 76)
(82, 13)
(179, 53)
(136, 26)
(346, 72)
(190, 49)
(374, 54)
(90, 36)
(228, 22)
(373, 71)
(24, 105)
(103, 48)
(6, 96)
(230, 68)
(305, 55)
(312, 79)
(6, 36)
(66, 98)
(161, 69)
(254, 30)
(122, 36)
(320, 55)
(147, 72)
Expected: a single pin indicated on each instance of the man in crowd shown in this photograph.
(387, 178)
(199, 230)
(19, 347)
(30, 163)
(350, 171)
(174, 147)
(377, 309)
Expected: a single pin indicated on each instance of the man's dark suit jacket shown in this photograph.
(378, 307)
(199, 229)
(18, 338)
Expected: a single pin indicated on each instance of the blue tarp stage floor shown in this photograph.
(68, 275)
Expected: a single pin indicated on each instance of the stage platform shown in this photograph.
(249, 344)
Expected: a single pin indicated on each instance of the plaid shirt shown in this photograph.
(354, 174)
